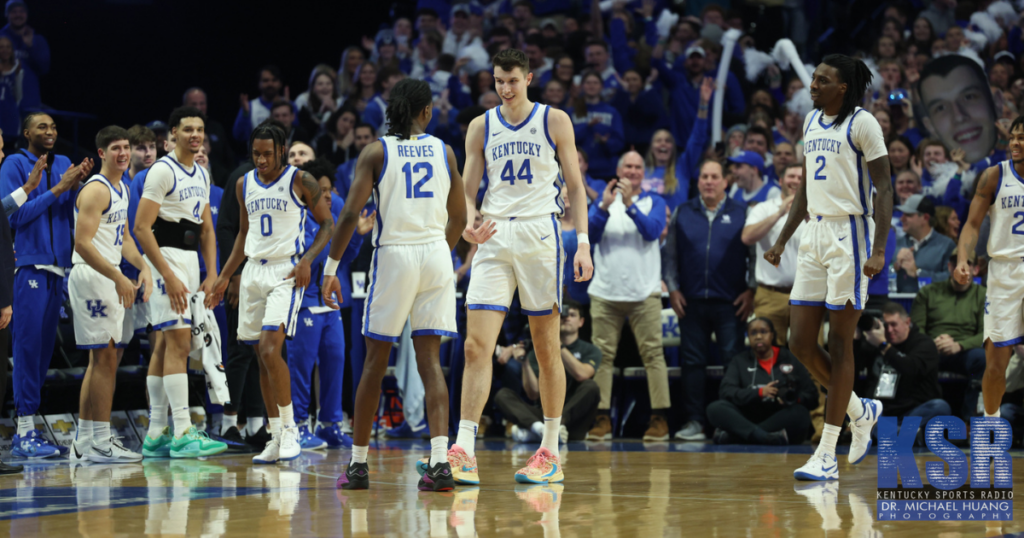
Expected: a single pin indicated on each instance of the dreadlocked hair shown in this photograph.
(857, 77)
(269, 129)
(407, 99)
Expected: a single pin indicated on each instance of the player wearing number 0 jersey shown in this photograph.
(842, 247)
(519, 146)
(274, 200)
(1000, 194)
(421, 211)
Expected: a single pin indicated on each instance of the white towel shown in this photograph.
(206, 348)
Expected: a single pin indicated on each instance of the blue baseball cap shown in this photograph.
(748, 157)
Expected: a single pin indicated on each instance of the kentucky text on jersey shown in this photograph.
(189, 192)
(822, 144)
(1011, 202)
(267, 204)
(117, 216)
(414, 151)
(518, 147)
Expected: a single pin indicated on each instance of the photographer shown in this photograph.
(766, 395)
(904, 374)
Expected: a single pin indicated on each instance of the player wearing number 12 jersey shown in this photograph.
(840, 250)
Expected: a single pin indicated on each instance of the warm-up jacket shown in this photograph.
(43, 225)
(707, 260)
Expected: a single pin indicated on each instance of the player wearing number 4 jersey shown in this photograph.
(274, 199)
(421, 212)
(840, 250)
(1000, 194)
(519, 145)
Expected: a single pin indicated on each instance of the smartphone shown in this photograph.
(720, 147)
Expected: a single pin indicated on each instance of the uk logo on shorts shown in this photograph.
(160, 284)
(97, 310)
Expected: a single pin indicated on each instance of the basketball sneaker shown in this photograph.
(308, 441)
(288, 447)
(194, 443)
(464, 469)
(123, 454)
(861, 430)
(271, 451)
(437, 478)
(335, 436)
(159, 447)
(357, 476)
(543, 498)
(78, 451)
(525, 435)
(602, 430)
(114, 452)
(821, 466)
(542, 468)
(32, 446)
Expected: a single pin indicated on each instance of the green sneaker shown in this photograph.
(194, 444)
(159, 447)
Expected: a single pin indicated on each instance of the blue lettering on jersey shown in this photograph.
(517, 147)
(189, 192)
(414, 151)
(822, 144)
(117, 216)
(1011, 202)
(267, 204)
(97, 310)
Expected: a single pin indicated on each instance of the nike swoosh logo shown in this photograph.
(77, 453)
(545, 237)
(496, 134)
(107, 454)
(841, 238)
(828, 469)
(468, 469)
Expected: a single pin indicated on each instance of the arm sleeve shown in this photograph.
(10, 204)
(650, 224)
(867, 136)
(665, 73)
(669, 263)
(597, 219)
(243, 126)
(159, 183)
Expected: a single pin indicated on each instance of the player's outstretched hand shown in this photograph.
(774, 254)
(582, 265)
(330, 286)
(300, 273)
(962, 273)
(874, 265)
(209, 287)
(480, 234)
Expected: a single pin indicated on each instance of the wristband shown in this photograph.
(582, 238)
(331, 267)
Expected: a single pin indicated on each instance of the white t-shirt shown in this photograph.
(766, 273)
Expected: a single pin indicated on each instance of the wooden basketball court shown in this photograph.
(627, 490)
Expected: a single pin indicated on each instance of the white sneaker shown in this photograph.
(96, 454)
(122, 454)
(563, 435)
(692, 431)
(270, 452)
(289, 447)
(524, 435)
(861, 430)
(821, 466)
(77, 454)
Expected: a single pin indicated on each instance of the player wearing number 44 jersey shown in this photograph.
(421, 212)
(274, 201)
(1000, 194)
(840, 250)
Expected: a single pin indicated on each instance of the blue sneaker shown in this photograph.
(308, 441)
(334, 436)
(33, 446)
(405, 431)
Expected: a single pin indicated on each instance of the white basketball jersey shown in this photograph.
(412, 192)
(1006, 235)
(838, 183)
(522, 174)
(276, 218)
(110, 234)
(189, 195)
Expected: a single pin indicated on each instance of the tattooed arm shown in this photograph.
(983, 197)
(309, 189)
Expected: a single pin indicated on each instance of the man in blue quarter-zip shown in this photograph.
(42, 230)
(705, 266)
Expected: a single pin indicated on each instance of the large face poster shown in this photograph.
(958, 105)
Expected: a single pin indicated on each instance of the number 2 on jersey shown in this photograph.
(524, 173)
(1016, 227)
(414, 191)
(817, 174)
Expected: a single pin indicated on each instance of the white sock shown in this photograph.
(438, 450)
(550, 438)
(996, 414)
(25, 425)
(101, 434)
(254, 424)
(829, 437)
(468, 527)
(227, 422)
(359, 453)
(438, 524)
(466, 439)
(176, 386)
(855, 408)
(157, 406)
(287, 416)
(275, 426)
(84, 437)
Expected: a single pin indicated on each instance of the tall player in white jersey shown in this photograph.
(841, 249)
(1000, 194)
(273, 203)
(519, 145)
(173, 221)
(421, 213)
(100, 293)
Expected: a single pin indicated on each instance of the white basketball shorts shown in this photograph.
(830, 263)
(526, 253)
(410, 280)
(185, 266)
(267, 300)
(1004, 302)
(96, 309)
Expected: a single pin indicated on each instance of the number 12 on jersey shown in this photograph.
(412, 191)
(524, 173)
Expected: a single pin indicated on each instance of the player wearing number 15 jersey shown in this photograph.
(840, 250)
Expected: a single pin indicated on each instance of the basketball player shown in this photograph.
(275, 198)
(421, 212)
(1000, 194)
(519, 145)
(173, 221)
(840, 250)
(100, 294)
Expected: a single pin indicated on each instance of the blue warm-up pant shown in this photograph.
(319, 339)
(38, 295)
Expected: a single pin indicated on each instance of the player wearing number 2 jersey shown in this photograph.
(519, 146)
(840, 250)
(1000, 194)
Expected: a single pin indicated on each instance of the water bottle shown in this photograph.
(892, 279)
